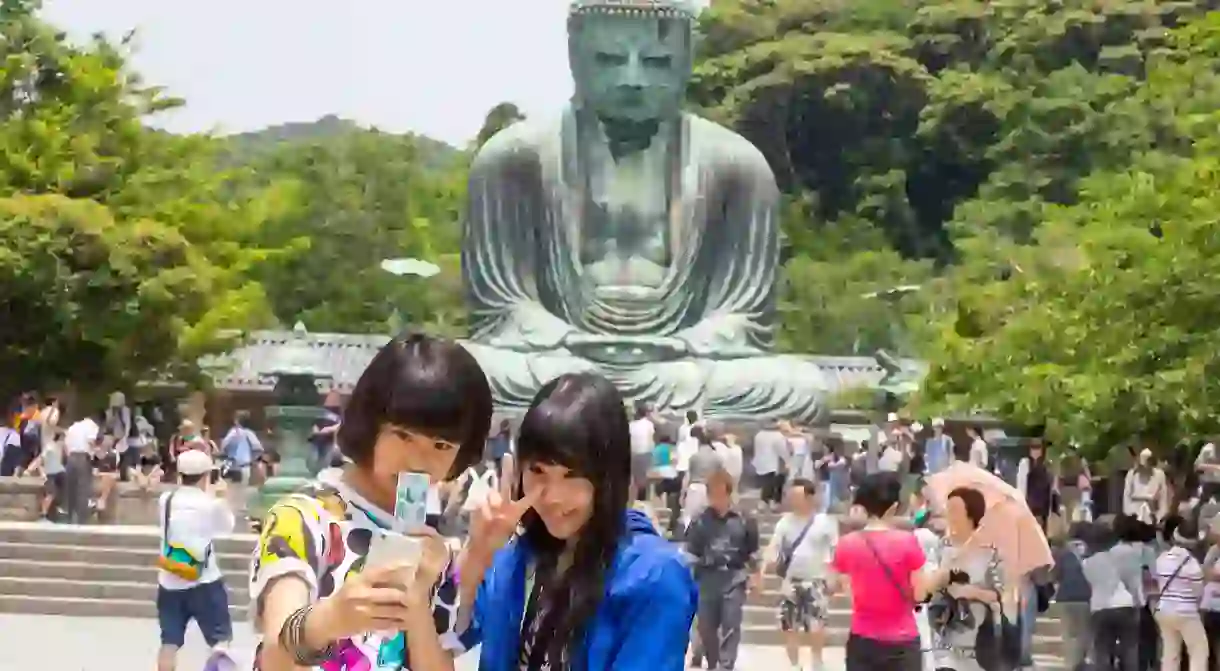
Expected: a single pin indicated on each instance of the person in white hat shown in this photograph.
(190, 584)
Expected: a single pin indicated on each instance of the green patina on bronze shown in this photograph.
(631, 238)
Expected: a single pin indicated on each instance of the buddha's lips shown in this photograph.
(626, 136)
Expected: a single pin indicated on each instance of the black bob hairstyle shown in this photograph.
(878, 493)
(577, 421)
(429, 385)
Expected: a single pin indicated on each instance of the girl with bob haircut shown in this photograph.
(422, 405)
(589, 583)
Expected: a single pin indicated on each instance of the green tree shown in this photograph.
(936, 130)
(72, 129)
(92, 300)
(1099, 327)
(356, 199)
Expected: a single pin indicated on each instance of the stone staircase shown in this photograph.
(103, 571)
(761, 621)
(108, 571)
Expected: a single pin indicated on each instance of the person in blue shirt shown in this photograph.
(588, 584)
(939, 448)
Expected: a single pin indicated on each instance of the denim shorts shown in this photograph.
(206, 604)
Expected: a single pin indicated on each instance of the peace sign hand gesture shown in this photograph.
(497, 518)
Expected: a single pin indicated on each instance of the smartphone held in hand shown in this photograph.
(389, 549)
(411, 503)
(395, 550)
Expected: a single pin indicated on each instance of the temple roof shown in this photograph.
(337, 358)
(340, 358)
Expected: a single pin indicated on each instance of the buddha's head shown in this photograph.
(630, 59)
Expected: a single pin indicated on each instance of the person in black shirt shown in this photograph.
(1037, 483)
(148, 470)
(105, 472)
(724, 544)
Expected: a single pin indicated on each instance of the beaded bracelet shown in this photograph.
(292, 640)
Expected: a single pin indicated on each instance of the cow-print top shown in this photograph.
(322, 535)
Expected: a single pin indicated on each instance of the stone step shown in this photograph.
(81, 579)
(753, 634)
(79, 607)
(76, 606)
(834, 660)
(841, 618)
(94, 572)
(110, 571)
(94, 590)
(133, 537)
(17, 514)
(770, 595)
(110, 556)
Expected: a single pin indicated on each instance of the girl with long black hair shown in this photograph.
(587, 583)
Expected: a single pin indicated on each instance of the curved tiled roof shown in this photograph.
(338, 359)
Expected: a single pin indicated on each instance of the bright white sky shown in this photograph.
(430, 66)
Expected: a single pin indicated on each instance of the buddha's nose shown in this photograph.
(633, 75)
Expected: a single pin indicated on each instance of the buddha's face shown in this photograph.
(630, 68)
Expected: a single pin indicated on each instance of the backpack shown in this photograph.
(118, 422)
(31, 437)
(30, 428)
(176, 559)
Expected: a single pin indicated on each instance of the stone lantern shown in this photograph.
(297, 370)
(899, 382)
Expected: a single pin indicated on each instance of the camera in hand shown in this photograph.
(946, 613)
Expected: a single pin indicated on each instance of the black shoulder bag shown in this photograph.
(784, 560)
(889, 573)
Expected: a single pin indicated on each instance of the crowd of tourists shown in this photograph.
(543, 550)
(81, 462)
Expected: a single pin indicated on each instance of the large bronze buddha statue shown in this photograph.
(629, 237)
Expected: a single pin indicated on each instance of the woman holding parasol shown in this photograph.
(963, 616)
(1007, 526)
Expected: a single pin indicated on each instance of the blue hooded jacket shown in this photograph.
(643, 622)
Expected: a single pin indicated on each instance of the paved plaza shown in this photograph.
(52, 643)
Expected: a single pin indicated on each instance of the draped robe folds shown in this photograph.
(527, 294)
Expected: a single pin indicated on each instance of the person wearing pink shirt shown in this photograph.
(883, 568)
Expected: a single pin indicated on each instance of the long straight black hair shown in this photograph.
(577, 421)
